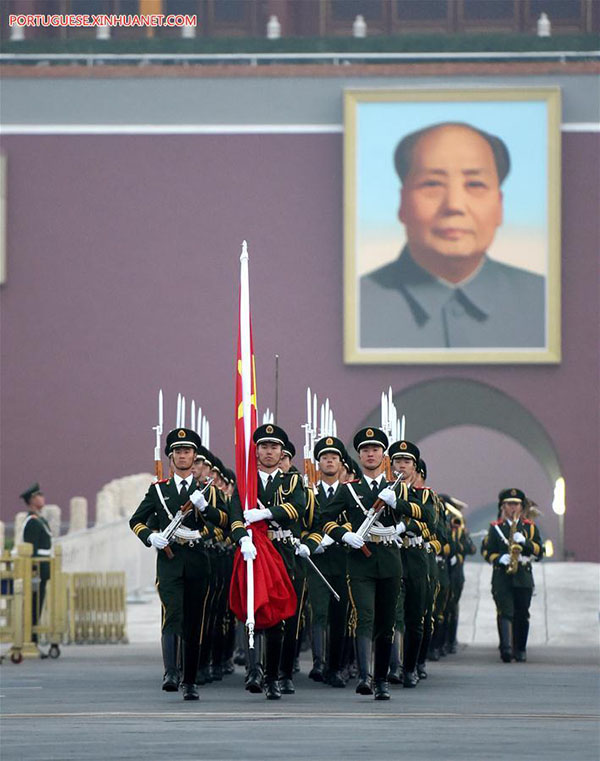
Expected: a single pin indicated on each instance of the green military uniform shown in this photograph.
(282, 495)
(415, 563)
(36, 531)
(374, 582)
(182, 580)
(332, 615)
(512, 591)
(464, 546)
(435, 543)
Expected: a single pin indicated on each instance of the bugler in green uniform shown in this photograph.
(511, 544)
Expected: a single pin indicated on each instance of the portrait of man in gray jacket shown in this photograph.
(444, 290)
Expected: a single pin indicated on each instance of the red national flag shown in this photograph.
(274, 595)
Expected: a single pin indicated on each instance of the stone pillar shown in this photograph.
(1, 537)
(106, 511)
(52, 514)
(78, 514)
(19, 520)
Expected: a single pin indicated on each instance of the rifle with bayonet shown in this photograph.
(158, 429)
(372, 516)
(175, 525)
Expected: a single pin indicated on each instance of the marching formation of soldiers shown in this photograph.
(374, 555)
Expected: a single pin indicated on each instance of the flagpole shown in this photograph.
(246, 357)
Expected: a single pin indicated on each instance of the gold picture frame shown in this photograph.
(524, 250)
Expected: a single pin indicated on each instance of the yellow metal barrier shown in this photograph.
(40, 603)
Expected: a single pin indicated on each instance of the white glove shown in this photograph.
(519, 537)
(198, 500)
(400, 528)
(247, 548)
(319, 550)
(257, 514)
(505, 559)
(353, 540)
(158, 541)
(453, 560)
(326, 541)
(388, 496)
(302, 551)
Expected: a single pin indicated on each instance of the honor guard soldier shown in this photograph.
(462, 542)
(182, 567)
(374, 577)
(512, 542)
(301, 531)
(419, 523)
(281, 502)
(329, 617)
(36, 532)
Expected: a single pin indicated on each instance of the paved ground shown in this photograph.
(564, 608)
(104, 702)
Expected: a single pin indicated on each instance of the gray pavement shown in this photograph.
(105, 702)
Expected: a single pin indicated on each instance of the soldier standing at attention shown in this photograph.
(510, 545)
(374, 581)
(36, 531)
(183, 580)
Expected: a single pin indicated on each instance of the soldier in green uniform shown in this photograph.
(374, 581)
(183, 578)
(330, 617)
(304, 541)
(420, 522)
(36, 531)
(511, 544)
(436, 549)
(281, 502)
(464, 546)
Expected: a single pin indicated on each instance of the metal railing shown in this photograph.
(40, 604)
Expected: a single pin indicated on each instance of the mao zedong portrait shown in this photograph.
(444, 290)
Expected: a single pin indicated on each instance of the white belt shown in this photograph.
(44, 553)
(379, 539)
(279, 534)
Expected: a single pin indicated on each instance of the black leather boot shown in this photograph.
(255, 658)
(191, 653)
(190, 692)
(318, 651)
(520, 635)
(273, 648)
(363, 656)
(505, 628)
(395, 674)
(424, 649)
(451, 630)
(383, 653)
(412, 646)
(169, 644)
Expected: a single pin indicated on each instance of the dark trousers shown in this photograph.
(291, 631)
(374, 601)
(37, 605)
(338, 622)
(184, 588)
